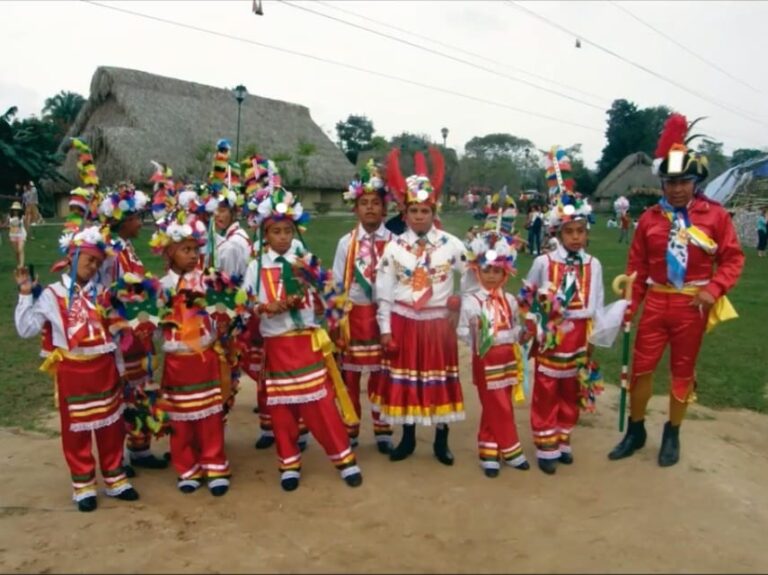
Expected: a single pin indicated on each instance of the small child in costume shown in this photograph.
(191, 385)
(488, 324)
(84, 363)
(300, 375)
(357, 254)
(565, 380)
(16, 232)
(121, 210)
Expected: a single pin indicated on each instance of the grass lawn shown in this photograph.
(732, 367)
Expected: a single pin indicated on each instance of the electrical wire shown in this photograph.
(442, 54)
(744, 115)
(339, 64)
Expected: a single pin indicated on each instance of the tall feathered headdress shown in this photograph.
(558, 171)
(421, 187)
(85, 165)
(673, 158)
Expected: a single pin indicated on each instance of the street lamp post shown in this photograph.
(240, 92)
(444, 132)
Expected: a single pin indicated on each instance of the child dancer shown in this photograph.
(122, 211)
(192, 368)
(488, 325)
(298, 360)
(417, 313)
(83, 363)
(357, 254)
(561, 384)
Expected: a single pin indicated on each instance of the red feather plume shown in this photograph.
(675, 129)
(438, 169)
(395, 179)
(420, 164)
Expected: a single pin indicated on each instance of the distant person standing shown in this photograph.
(31, 201)
(534, 225)
(624, 223)
(762, 233)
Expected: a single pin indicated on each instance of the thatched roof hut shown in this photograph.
(132, 117)
(631, 177)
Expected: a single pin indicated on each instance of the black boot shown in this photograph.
(442, 452)
(149, 462)
(87, 504)
(670, 445)
(265, 442)
(566, 458)
(407, 444)
(548, 466)
(129, 494)
(633, 440)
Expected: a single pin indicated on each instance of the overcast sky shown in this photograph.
(53, 46)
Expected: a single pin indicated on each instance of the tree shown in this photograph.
(62, 109)
(494, 146)
(303, 152)
(355, 134)
(718, 162)
(22, 157)
(585, 180)
(745, 154)
(630, 129)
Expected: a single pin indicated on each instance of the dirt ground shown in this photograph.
(707, 514)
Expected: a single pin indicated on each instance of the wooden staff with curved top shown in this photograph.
(622, 286)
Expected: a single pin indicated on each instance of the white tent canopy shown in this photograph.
(724, 187)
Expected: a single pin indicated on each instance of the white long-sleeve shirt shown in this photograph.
(274, 290)
(357, 294)
(233, 249)
(472, 309)
(394, 275)
(595, 299)
(31, 315)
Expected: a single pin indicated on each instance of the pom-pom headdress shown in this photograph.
(672, 158)
(163, 190)
(370, 182)
(176, 227)
(490, 248)
(421, 187)
(280, 205)
(262, 179)
(121, 203)
(223, 181)
(501, 213)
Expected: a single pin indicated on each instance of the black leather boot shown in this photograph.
(442, 452)
(88, 504)
(670, 445)
(548, 466)
(406, 446)
(632, 441)
(265, 442)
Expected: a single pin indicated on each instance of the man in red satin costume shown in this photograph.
(687, 257)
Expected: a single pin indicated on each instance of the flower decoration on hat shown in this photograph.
(672, 158)
(262, 179)
(176, 227)
(121, 203)
(569, 208)
(501, 213)
(369, 182)
(490, 248)
(421, 187)
(223, 181)
(85, 165)
(280, 205)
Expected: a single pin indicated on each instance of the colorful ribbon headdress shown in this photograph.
(369, 182)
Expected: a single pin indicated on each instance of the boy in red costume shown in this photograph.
(357, 254)
(687, 257)
(84, 365)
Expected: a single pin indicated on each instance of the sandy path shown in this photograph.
(707, 514)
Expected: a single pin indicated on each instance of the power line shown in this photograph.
(461, 50)
(679, 45)
(736, 112)
(337, 63)
(442, 55)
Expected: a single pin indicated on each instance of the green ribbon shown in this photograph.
(292, 288)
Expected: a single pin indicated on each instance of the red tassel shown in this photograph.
(420, 164)
(675, 129)
(438, 169)
(61, 265)
(395, 179)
